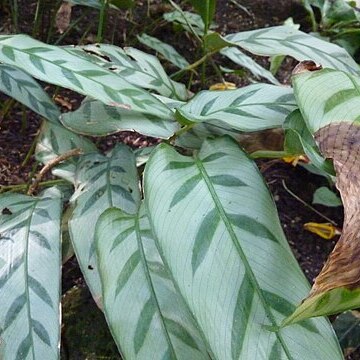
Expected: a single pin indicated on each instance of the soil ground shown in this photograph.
(19, 127)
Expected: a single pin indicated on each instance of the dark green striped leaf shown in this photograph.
(30, 275)
(228, 255)
(251, 108)
(156, 322)
(203, 238)
(101, 182)
(185, 189)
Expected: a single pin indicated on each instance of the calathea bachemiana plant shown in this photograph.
(188, 259)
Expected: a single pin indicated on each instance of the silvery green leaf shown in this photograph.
(285, 40)
(23, 88)
(147, 316)
(251, 108)
(94, 118)
(218, 230)
(247, 62)
(61, 67)
(30, 276)
(166, 50)
(101, 182)
(136, 67)
(327, 96)
(55, 140)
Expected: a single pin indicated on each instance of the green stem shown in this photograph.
(307, 205)
(7, 107)
(52, 21)
(23, 187)
(217, 70)
(37, 19)
(15, 14)
(102, 21)
(194, 65)
(32, 173)
(31, 151)
(268, 154)
(23, 120)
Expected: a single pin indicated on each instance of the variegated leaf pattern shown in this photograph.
(30, 276)
(251, 108)
(23, 88)
(286, 40)
(94, 118)
(156, 322)
(333, 120)
(101, 182)
(247, 62)
(218, 230)
(59, 66)
(136, 67)
(166, 50)
(55, 140)
(327, 96)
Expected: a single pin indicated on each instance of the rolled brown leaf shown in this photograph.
(341, 142)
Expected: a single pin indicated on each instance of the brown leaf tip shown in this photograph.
(306, 65)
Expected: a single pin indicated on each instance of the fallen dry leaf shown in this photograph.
(63, 16)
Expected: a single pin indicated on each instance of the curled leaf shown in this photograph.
(341, 142)
(329, 102)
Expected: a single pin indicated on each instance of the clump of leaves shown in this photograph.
(187, 259)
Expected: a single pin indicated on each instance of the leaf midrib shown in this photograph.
(26, 274)
(301, 44)
(150, 283)
(241, 253)
(249, 104)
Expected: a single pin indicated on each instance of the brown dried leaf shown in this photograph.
(341, 142)
(63, 16)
